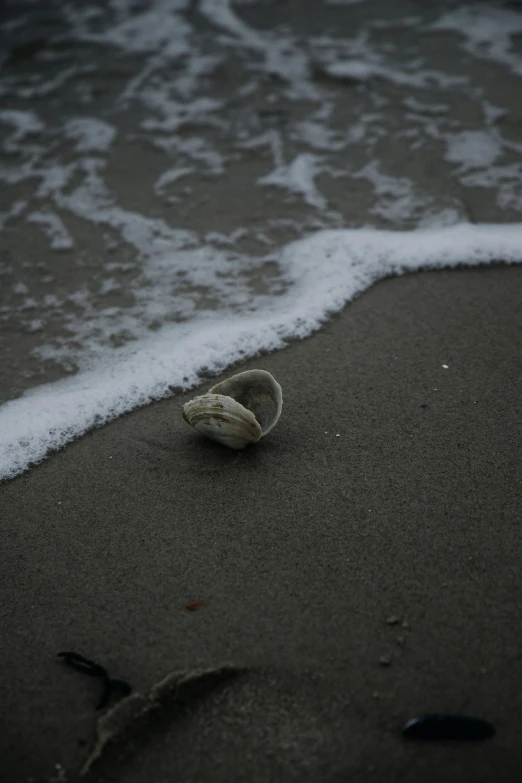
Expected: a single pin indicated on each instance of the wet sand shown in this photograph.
(390, 489)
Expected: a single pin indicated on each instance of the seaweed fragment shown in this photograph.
(91, 668)
(448, 727)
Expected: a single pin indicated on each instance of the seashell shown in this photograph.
(223, 419)
(237, 411)
(257, 391)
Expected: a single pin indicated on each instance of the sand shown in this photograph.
(389, 491)
(358, 567)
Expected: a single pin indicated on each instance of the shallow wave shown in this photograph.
(324, 271)
(154, 161)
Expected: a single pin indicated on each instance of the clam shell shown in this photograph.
(258, 391)
(223, 419)
(239, 410)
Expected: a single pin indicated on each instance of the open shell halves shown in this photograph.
(237, 411)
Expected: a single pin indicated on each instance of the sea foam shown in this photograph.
(153, 184)
(324, 271)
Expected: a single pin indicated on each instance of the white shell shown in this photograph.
(237, 411)
(223, 419)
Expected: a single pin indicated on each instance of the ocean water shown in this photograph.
(185, 184)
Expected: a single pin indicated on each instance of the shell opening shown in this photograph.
(258, 391)
(237, 411)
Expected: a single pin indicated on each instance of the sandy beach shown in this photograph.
(279, 612)
(389, 489)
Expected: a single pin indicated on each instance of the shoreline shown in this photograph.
(146, 371)
(302, 547)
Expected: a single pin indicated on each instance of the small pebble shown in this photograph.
(385, 660)
(448, 727)
(393, 620)
(399, 639)
(193, 607)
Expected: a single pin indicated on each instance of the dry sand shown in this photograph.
(390, 488)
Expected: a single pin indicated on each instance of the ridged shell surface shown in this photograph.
(222, 418)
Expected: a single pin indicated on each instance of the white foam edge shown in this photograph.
(325, 271)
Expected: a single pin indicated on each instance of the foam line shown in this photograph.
(324, 271)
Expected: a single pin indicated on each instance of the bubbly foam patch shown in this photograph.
(53, 226)
(473, 149)
(324, 271)
(298, 177)
(489, 33)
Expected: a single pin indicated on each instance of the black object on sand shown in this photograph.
(92, 669)
(448, 727)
